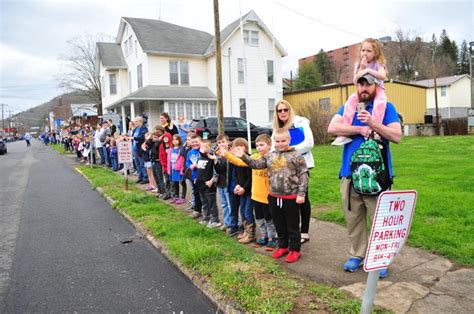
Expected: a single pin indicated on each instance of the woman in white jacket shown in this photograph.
(302, 140)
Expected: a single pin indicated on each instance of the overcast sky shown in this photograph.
(34, 33)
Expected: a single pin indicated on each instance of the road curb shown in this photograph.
(222, 302)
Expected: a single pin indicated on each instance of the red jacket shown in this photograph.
(163, 150)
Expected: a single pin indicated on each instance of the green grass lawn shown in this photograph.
(253, 282)
(441, 169)
(59, 148)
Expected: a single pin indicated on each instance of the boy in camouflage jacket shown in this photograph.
(288, 181)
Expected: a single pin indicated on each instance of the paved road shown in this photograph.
(61, 250)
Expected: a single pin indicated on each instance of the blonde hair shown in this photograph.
(291, 116)
(265, 138)
(378, 53)
(281, 131)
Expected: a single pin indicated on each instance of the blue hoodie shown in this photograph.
(192, 158)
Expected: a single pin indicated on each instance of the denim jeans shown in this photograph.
(115, 164)
(246, 211)
(140, 167)
(225, 202)
(103, 155)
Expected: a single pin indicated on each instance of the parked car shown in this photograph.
(233, 127)
(3, 146)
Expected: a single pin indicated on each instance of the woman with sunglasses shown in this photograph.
(303, 142)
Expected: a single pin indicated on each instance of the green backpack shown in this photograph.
(369, 168)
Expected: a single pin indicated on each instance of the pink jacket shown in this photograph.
(179, 164)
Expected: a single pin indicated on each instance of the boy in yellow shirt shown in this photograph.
(260, 191)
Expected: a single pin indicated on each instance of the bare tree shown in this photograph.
(79, 74)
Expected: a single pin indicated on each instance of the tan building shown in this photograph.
(409, 99)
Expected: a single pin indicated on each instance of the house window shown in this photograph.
(271, 109)
(189, 110)
(443, 91)
(243, 108)
(251, 38)
(197, 111)
(113, 84)
(139, 76)
(240, 68)
(184, 72)
(204, 110)
(172, 110)
(180, 109)
(270, 71)
(213, 110)
(325, 104)
(174, 72)
(179, 73)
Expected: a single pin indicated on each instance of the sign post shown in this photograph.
(390, 228)
(125, 156)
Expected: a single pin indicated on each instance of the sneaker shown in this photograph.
(204, 222)
(166, 196)
(353, 264)
(223, 227)
(293, 257)
(173, 200)
(280, 252)
(271, 244)
(196, 215)
(232, 232)
(180, 201)
(214, 224)
(154, 191)
(383, 273)
(149, 188)
(262, 241)
(190, 209)
(341, 140)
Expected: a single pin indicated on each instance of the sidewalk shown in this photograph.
(419, 282)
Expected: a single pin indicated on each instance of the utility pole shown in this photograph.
(435, 91)
(217, 44)
(3, 120)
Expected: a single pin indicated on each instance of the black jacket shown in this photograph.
(243, 177)
(205, 172)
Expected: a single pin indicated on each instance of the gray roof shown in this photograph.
(162, 37)
(441, 81)
(158, 92)
(111, 55)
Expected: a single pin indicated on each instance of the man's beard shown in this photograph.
(366, 96)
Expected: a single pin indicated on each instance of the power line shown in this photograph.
(318, 21)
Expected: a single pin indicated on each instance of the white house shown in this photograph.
(156, 67)
(454, 96)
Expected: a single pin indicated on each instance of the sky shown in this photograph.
(34, 33)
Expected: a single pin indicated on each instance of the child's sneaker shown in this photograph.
(262, 241)
(214, 224)
(280, 252)
(173, 200)
(232, 232)
(196, 214)
(353, 264)
(293, 257)
(180, 201)
(271, 244)
(341, 140)
(204, 222)
(223, 227)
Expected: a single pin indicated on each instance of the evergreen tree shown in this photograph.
(325, 68)
(448, 47)
(308, 76)
(463, 60)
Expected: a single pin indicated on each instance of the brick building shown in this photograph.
(343, 60)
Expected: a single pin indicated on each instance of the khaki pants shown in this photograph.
(361, 207)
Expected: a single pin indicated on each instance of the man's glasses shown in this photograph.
(282, 110)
